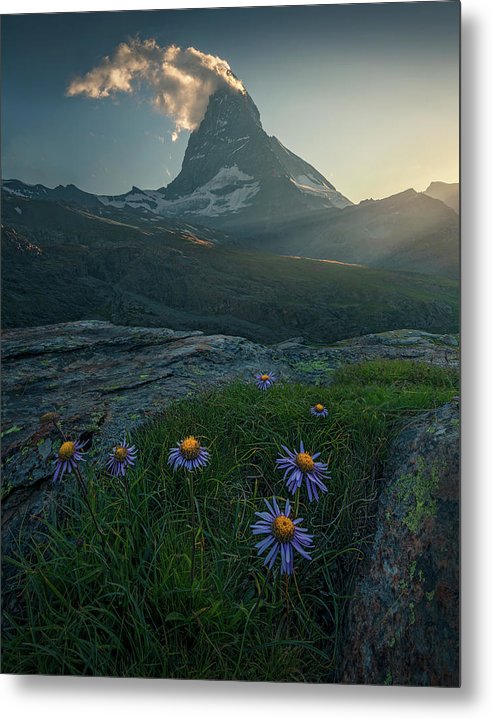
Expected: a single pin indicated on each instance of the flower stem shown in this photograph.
(251, 613)
(83, 490)
(126, 482)
(286, 596)
(57, 426)
(192, 497)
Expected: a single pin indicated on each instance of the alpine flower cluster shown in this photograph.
(284, 535)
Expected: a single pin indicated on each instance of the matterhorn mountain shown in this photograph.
(235, 174)
(243, 185)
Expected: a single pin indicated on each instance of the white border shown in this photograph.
(50, 698)
(36, 6)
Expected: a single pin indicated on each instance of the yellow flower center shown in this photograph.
(66, 451)
(305, 462)
(283, 528)
(120, 453)
(264, 377)
(190, 448)
(319, 407)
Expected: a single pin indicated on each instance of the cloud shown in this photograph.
(181, 81)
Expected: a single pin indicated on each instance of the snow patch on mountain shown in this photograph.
(22, 189)
(229, 191)
(310, 185)
(137, 199)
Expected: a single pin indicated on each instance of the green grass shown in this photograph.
(140, 616)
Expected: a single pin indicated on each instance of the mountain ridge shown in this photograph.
(447, 192)
(237, 179)
(407, 231)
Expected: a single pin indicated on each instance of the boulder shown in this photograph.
(403, 622)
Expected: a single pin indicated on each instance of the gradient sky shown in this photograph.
(368, 94)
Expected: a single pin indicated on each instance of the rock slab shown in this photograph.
(403, 623)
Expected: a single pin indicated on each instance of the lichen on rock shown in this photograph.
(403, 622)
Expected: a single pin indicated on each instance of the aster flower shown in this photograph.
(69, 455)
(302, 466)
(265, 381)
(319, 410)
(120, 458)
(283, 535)
(188, 454)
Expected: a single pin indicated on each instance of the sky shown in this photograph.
(368, 94)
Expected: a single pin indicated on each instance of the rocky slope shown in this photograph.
(407, 231)
(62, 263)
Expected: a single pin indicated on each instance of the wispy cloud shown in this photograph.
(181, 81)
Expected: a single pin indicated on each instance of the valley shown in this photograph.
(63, 263)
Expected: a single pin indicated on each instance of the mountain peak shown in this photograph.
(447, 192)
(407, 194)
(231, 119)
(228, 108)
(234, 172)
(438, 184)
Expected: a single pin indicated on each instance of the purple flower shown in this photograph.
(319, 410)
(69, 455)
(283, 534)
(302, 465)
(120, 458)
(188, 454)
(265, 381)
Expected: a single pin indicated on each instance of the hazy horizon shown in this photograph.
(368, 94)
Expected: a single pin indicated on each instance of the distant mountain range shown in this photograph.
(408, 231)
(238, 179)
(62, 193)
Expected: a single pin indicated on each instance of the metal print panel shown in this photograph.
(230, 309)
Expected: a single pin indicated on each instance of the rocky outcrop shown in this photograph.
(403, 623)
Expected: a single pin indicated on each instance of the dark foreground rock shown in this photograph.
(403, 624)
